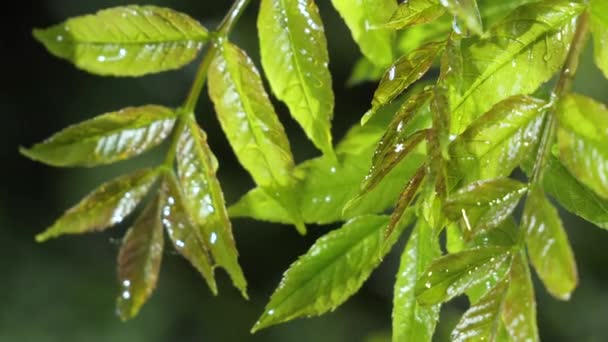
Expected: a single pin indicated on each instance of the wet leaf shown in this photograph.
(363, 18)
(106, 206)
(582, 139)
(248, 118)
(481, 322)
(139, 261)
(466, 12)
(197, 167)
(417, 36)
(405, 71)
(126, 41)
(187, 237)
(519, 306)
(406, 197)
(295, 60)
(412, 321)
(106, 139)
(415, 12)
(332, 270)
(548, 246)
(599, 28)
(364, 71)
(498, 141)
(492, 11)
(453, 274)
(519, 54)
(485, 204)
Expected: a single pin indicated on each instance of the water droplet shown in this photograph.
(427, 285)
(213, 238)
(180, 243)
(126, 294)
(101, 59)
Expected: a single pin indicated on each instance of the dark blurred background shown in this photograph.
(64, 290)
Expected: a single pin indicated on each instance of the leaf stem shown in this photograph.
(562, 88)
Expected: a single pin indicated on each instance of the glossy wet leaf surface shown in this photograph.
(197, 167)
(453, 274)
(415, 12)
(106, 139)
(186, 236)
(599, 28)
(412, 321)
(484, 205)
(363, 18)
(519, 304)
(332, 270)
(548, 246)
(522, 52)
(583, 141)
(294, 56)
(498, 141)
(466, 13)
(139, 261)
(248, 118)
(104, 207)
(126, 41)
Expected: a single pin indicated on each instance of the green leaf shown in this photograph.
(139, 261)
(405, 71)
(332, 270)
(106, 206)
(406, 197)
(518, 55)
(248, 118)
(126, 41)
(453, 274)
(363, 17)
(412, 321)
(485, 204)
(295, 59)
(466, 12)
(187, 238)
(548, 246)
(519, 306)
(599, 27)
(414, 37)
(498, 141)
(492, 11)
(481, 322)
(574, 196)
(582, 139)
(415, 12)
(364, 71)
(197, 167)
(107, 138)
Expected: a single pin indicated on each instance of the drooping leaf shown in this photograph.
(197, 167)
(295, 59)
(126, 41)
(519, 54)
(481, 322)
(363, 18)
(583, 141)
(248, 118)
(405, 71)
(465, 13)
(599, 27)
(412, 321)
(498, 141)
(415, 12)
(485, 204)
(186, 236)
(453, 274)
(106, 206)
(548, 246)
(332, 270)
(139, 261)
(519, 306)
(106, 139)
(406, 197)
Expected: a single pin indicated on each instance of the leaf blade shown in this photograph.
(599, 28)
(519, 306)
(415, 12)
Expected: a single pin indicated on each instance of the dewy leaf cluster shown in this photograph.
(438, 153)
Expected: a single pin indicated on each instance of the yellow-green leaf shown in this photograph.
(106, 206)
(106, 139)
(466, 13)
(519, 306)
(139, 261)
(248, 118)
(583, 141)
(126, 41)
(332, 270)
(295, 59)
(548, 246)
(187, 237)
(599, 28)
(197, 167)
(415, 12)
